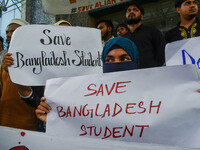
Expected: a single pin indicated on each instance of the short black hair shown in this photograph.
(107, 22)
(137, 5)
(122, 25)
(178, 3)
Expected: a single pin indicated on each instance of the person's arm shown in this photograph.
(42, 110)
(31, 95)
(159, 46)
(27, 93)
(7, 61)
(24, 91)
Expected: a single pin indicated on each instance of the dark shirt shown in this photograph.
(180, 32)
(34, 101)
(151, 46)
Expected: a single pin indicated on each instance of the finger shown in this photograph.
(40, 107)
(39, 112)
(8, 63)
(43, 99)
(8, 54)
(45, 105)
(40, 115)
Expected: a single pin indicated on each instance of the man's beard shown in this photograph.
(104, 37)
(192, 16)
(133, 20)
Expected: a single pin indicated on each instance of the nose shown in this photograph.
(117, 60)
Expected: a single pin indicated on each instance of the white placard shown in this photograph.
(183, 52)
(158, 105)
(42, 52)
(16, 139)
(75, 6)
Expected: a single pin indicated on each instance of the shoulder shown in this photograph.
(151, 30)
(172, 33)
(128, 35)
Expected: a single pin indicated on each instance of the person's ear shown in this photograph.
(178, 10)
(142, 16)
(109, 29)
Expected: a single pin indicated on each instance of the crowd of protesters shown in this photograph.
(137, 46)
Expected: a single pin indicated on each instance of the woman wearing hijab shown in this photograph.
(119, 54)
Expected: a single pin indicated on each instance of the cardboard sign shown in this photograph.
(75, 6)
(16, 139)
(183, 52)
(42, 52)
(158, 105)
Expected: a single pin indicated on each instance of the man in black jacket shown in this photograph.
(149, 40)
(189, 26)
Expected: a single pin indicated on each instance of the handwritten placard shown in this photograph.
(47, 51)
(149, 105)
(183, 52)
(16, 139)
(76, 6)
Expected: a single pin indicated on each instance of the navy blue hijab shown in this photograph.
(129, 47)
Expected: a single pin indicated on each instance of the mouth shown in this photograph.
(193, 10)
(131, 15)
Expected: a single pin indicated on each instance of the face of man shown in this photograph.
(133, 15)
(121, 31)
(11, 28)
(104, 30)
(188, 9)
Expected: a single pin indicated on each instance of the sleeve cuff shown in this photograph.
(26, 97)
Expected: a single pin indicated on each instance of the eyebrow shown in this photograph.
(124, 55)
(109, 56)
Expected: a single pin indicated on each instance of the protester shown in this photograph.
(189, 26)
(149, 40)
(2, 51)
(31, 95)
(122, 29)
(106, 28)
(14, 112)
(119, 54)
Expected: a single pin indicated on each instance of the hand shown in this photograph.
(198, 90)
(42, 110)
(7, 61)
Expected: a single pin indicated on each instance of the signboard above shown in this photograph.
(75, 6)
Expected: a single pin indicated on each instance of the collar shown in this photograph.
(138, 28)
(196, 20)
(103, 43)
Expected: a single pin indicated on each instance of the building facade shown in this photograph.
(158, 13)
